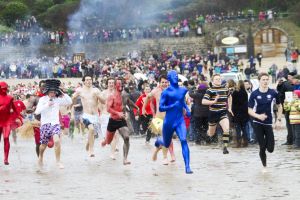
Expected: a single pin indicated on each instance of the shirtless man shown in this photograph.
(116, 106)
(104, 118)
(156, 93)
(89, 97)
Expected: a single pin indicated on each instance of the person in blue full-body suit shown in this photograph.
(173, 103)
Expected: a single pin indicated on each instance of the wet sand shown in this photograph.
(238, 175)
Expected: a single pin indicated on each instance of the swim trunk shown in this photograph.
(77, 116)
(47, 131)
(216, 117)
(114, 125)
(65, 119)
(89, 119)
(104, 119)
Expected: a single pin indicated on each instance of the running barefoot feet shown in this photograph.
(103, 143)
(264, 170)
(126, 162)
(60, 165)
(173, 159)
(188, 170)
(40, 163)
(165, 161)
(154, 156)
(112, 156)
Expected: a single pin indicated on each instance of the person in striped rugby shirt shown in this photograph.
(216, 98)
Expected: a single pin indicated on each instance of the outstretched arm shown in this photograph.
(131, 104)
(147, 98)
(74, 97)
(187, 109)
(100, 97)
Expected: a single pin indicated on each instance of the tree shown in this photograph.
(13, 11)
(41, 6)
(57, 16)
(295, 14)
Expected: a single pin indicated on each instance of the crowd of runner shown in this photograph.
(219, 108)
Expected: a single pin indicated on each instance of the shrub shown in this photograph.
(13, 11)
(41, 6)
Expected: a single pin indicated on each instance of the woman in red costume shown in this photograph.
(7, 117)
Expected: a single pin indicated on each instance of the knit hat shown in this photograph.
(202, 86)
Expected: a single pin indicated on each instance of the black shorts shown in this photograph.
(114, 125)
(216, 117)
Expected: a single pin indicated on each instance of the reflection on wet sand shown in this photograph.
(238, 175)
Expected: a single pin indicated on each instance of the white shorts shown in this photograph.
(104, 118)
(92, 119)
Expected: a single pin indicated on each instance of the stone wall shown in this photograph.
(145, 47)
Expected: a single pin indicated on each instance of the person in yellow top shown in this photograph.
(294, 109)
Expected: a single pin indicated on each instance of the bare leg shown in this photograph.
(154, 156)
(113, 146)
(124, 132)
(37, 149)
(57, 147)
(81, 128)
(171, 150)
(91, 140)
(159, 145)
(14, 135)
(212, 129)
(165, 155)
(41, 154)
(66, 131)
(108, 139)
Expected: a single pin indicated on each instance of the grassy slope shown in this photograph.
(292, 29)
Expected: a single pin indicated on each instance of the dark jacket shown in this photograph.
(198, 110)
(247, 71)
(240, 106)
(283, 87)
